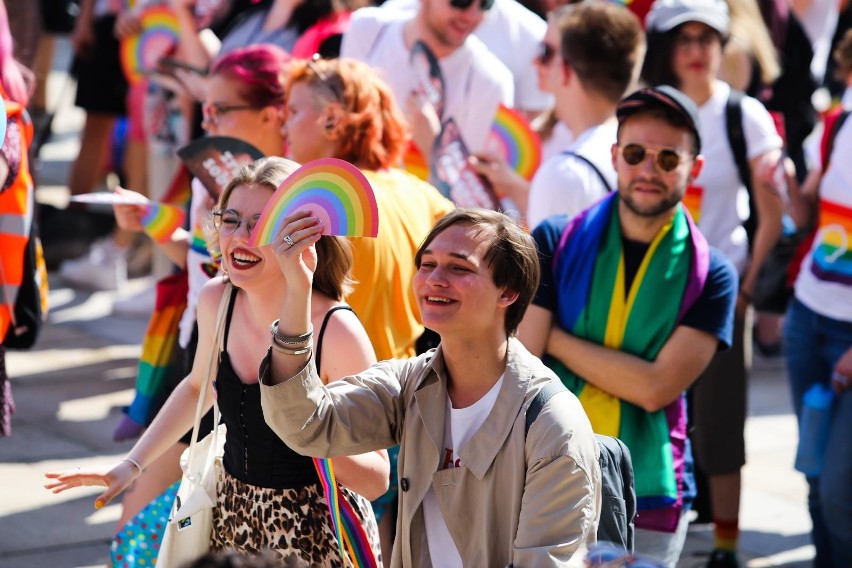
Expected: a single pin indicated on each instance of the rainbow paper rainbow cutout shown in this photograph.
(333, 190)
(512, 138)
(141, 52)
(161, 220)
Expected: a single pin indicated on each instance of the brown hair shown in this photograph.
(512, 256)
(334, 255)
(603, 43)
(843, 56)
(371, 131)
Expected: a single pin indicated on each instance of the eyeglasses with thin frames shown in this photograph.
(227, 222)
(329, 83)
(213, 112)
(666, 160)
(683, 41)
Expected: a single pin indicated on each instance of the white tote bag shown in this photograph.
(190, 524)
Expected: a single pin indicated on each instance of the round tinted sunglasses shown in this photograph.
(484, 5)
(666, 160)
(227, 222)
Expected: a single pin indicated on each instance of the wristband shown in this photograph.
(289, 339)
(285, 350)
(134, 462)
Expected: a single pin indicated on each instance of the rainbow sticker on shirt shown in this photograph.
(692, 201)
(832, 256)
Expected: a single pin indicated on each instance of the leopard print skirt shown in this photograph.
(291, 522)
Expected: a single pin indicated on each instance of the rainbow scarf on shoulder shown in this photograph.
(588, 267)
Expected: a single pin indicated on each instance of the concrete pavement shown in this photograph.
(71, 387)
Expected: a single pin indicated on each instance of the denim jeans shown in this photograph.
(814, 344)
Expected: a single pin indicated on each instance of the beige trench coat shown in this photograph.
(522, 499)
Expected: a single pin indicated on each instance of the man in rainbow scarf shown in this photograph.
(633, 304)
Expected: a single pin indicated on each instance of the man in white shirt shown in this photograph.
(475, 81)
(513, 33)
(595, 51)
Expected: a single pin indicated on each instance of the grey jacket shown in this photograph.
(522, 499)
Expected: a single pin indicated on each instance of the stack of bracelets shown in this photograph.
(291, 344)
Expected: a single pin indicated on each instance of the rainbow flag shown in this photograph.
(831, 260)
(414, 162)
(692, 201)
(589, 269)
(350, 533)
(158, 349)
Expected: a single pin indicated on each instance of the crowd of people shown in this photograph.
(462, 366)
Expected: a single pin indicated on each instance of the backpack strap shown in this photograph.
(737, 142)
(591, 165)
(540, 399)
(832, 125)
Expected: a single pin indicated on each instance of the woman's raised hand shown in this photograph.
(294, 249)
(115, 478)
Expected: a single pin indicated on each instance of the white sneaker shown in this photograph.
(104, 268)
(138, 305)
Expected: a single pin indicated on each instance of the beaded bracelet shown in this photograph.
(134, 462)
(289, 339)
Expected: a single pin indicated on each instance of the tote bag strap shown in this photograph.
(212, 369)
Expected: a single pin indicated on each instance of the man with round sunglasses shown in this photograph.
(474, 81)
(633, 304)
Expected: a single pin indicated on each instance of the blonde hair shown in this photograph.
(750, 31)
(334, 255)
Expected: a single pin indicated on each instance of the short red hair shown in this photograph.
(371, 131)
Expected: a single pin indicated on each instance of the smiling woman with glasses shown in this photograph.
(269, 497)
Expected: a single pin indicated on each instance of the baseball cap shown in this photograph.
(663, 96)
(668, 14)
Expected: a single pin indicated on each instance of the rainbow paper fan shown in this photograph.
(333, 190)
(161, 220)
(512, 138)
(141, 52)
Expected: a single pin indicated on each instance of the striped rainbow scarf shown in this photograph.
(350, 533)
(589, 269)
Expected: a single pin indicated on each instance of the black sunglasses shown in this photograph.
(667, 160)
(546, 53)
(484, 5)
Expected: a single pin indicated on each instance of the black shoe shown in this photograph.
(723, 559)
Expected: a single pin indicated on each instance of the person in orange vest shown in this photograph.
(16, 201)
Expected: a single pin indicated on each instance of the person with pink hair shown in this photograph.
(17, 201)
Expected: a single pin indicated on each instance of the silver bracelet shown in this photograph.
(285, 350)
(134, 462)
(289, 339)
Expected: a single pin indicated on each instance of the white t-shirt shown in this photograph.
(513, 33)
(824, 283)
(475, 81)
(567, 185)
(724, 202)
(459, 425)
(560, 139)
(197, 258)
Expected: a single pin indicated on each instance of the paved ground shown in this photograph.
(70, 390)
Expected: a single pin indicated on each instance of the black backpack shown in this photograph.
(618, 506)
